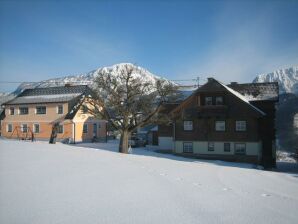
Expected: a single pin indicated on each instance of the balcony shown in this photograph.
(212, 110)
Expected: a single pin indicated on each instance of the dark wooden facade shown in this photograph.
(258, 114)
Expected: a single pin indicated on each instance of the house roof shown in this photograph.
(257, 91)
(244, 92)
(241, 97)
(48, 95)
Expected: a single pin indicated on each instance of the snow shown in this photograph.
(88, 78)
(92, 183)
(241, 97)
(287, 79)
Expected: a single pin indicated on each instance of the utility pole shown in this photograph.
(198, 81)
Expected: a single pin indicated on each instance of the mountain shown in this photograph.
(286, 78)
(287, 107)
(87, 78)
(83, 79)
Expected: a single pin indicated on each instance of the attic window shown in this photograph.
(219, 100)
(208, 100)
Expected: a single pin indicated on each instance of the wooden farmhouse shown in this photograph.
(233, 122)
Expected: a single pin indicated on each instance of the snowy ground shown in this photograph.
(42, 183)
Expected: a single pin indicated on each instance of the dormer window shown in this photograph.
(208, 100)
(219, 100)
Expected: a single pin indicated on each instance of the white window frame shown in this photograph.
(188, 125)
(208, 97)
(219, 127)
(40, 106)
(23, 107)
(85, 125)
(240, 151)
(7, 128)
(187, 147)
(60, 125)
(60, 105)
(22, 128)
(241, 125)
(211, 146)
(34, 129)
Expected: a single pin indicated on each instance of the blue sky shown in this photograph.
(229, 40)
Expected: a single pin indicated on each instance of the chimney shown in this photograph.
(234, 83)
(210, 79)
(67, 84)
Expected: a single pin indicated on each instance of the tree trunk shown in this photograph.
(123, 146)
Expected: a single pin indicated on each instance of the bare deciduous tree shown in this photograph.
(129, 101)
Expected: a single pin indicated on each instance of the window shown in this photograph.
(11, 111)
(240, 125)
(210, 146)
(220, 125)
(240, 148)
(9, 127)
(85, 128)
(23, 110)
(84, 109)
(36, 128)
(208, 100)
(227, 147)
(188, 126)
(60, 109)
(60, 129)
(41, 110)
(187, 147)
(24, 128)
(219, 100)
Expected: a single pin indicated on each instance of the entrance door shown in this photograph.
(94, 130)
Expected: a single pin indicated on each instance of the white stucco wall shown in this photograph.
(165, 143)
(252, 148)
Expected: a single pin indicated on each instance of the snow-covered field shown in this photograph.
(42, 183)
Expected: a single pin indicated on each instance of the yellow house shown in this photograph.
(34, 112)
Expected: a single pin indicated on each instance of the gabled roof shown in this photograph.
(241, 97)
(257, 91)
(49, 95)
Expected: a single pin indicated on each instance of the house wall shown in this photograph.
(51, 113)
(45, 121)
(166, 143)
(44, 133)
(204, 130)
(200, 148)
(72, 129)
(82, 118)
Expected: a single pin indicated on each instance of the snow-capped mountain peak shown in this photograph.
(88, 78)
(286, 78)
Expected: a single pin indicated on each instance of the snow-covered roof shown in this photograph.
(257, 91)
(241, 97)
(48, 95)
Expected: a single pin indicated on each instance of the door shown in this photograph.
(94, 130)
